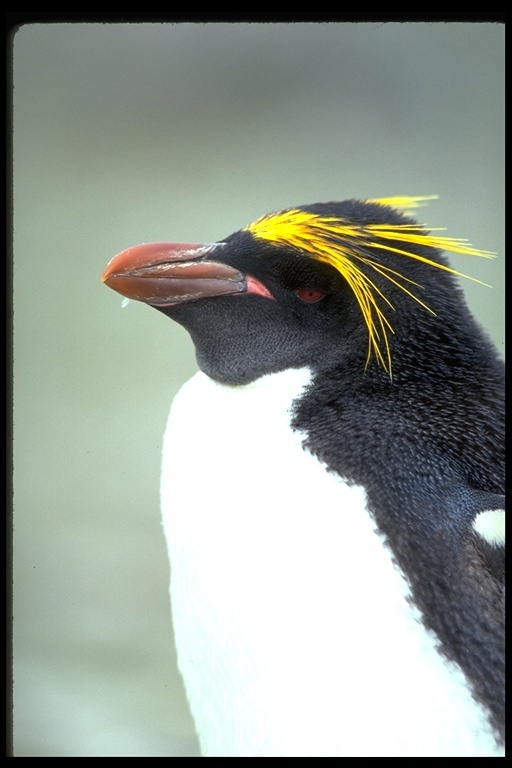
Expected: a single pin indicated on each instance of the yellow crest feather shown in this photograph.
(344, 246)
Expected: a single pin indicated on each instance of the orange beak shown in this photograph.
(163, 274)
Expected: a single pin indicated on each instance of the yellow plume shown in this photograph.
(345, 245)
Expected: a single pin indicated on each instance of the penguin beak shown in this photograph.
(165, 274)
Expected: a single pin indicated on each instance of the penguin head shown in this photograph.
(356, 284)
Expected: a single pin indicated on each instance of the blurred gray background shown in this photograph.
(125, 133)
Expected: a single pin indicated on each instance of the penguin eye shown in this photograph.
(311, 295)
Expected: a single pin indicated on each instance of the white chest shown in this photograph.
(292, 625)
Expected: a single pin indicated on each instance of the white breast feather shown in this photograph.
(293, 629)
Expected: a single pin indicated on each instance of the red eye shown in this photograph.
(310, 295)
